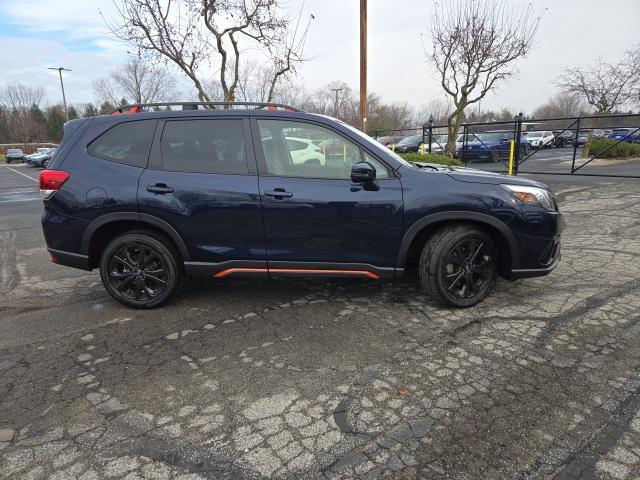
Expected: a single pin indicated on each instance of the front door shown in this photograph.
(315, 217)
(202, 181)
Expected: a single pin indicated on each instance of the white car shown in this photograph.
(540, 139)
(303, 150)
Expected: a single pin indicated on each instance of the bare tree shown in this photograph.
(607, 87)
(560, 105)
(18, 96)
(439, 109)
(137, 81)
(475, 46)
(197, 34)
(22, 106)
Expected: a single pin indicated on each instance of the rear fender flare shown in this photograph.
(137, 217)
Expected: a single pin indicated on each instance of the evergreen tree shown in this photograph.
(90, 110)
(73, 113)
(55, 123)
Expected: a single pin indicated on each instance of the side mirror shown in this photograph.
(363, 172)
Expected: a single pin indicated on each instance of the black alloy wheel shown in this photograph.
(458, 266)
(140, 269)
(467, 268)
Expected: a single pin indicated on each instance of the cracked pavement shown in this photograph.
(326, 379)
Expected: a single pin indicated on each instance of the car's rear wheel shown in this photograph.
(140, 269)
(458, 266)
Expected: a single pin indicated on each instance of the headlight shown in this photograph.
(532, 195)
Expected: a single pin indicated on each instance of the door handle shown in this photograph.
(278, 193)
(159, 188)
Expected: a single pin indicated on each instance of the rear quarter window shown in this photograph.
(127, 143)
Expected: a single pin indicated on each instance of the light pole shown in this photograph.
(363, 66)
(335, 105)
(64, 98)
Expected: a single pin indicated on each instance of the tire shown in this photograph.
(461, 285)
(8, 161)
(130, 280)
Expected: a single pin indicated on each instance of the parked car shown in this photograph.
(562, 138)
(438, 144)
(150, 197)
(540, 139)
(389, 140)
(491, 146)
(304, 150)
(38, 159)
(14, 155)
(409, 144)
(582, 137)
(629, 135)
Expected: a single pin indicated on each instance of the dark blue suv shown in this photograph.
(151, 196)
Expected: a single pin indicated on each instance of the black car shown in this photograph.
(389, 140)
(563, 139)
(148, 197)
(14, 155)
(409, 144)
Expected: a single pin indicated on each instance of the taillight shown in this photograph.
(50, 181)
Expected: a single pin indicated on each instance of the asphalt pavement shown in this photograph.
(305, 379)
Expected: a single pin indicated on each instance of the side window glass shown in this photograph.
(205, 146)
(298, 149)
(127, 142)
(381, 170)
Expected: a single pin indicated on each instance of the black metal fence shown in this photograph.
(605, 145)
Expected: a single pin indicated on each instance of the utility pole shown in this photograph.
(363, 66)
(64, 98)
(335, 105)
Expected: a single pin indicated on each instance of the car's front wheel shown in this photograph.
(140, 269)
(458, 266)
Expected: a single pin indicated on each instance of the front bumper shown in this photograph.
(548, 257)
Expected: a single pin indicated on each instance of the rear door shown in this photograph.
(202, 180)
(314, 215)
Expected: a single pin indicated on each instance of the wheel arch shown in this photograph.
(416, 236)
(106, 227)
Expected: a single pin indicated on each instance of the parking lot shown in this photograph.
(325, 379)
(560, 161)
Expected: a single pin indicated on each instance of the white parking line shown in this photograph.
(24, 175)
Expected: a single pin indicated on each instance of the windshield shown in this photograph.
(412, 140)
(373, 145)
(622, 130)
(14, 150)
(535, 134)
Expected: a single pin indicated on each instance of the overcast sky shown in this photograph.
(35, 34)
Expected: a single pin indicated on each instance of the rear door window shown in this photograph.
(205, 146)
(127, 142)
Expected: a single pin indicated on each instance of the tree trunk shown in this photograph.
(453, 127)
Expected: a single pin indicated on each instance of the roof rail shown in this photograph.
(139, 107)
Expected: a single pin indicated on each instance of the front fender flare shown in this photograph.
(453, 216)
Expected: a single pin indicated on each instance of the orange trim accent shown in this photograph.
(341, 272)
(230, 271)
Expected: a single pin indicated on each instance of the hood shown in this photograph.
(472, 175)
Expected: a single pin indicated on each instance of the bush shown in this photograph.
(430, 158)
(599, 146)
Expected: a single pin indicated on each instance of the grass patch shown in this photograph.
(607, 148)
(431, 158)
